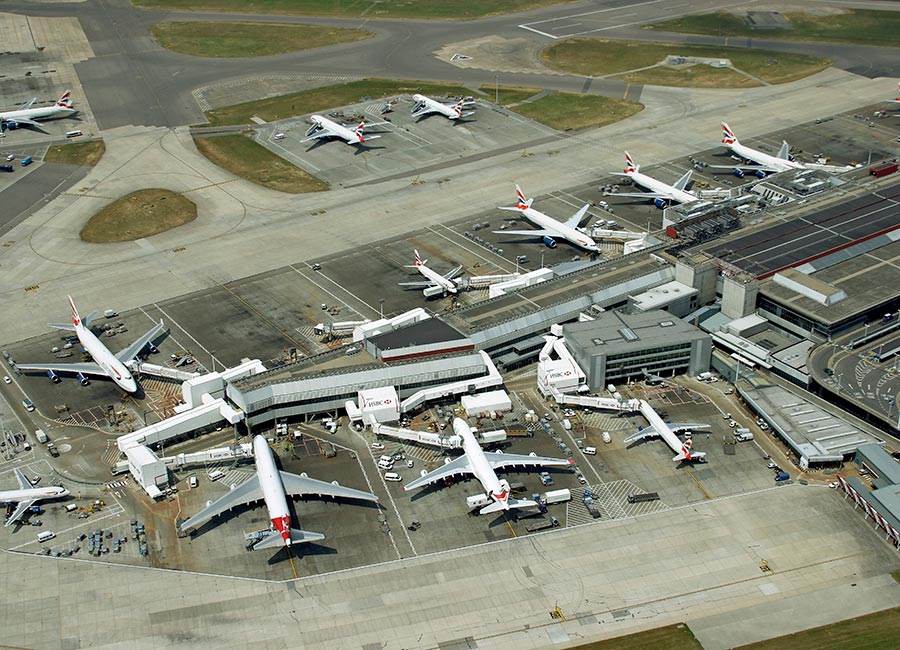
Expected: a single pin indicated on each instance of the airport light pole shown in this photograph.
(212, 356)
(381, 306)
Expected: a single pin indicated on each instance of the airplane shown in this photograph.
(482, 464)
(105, 363)
(27, 115)
(683, 450)
(652, 380)
(272, 486)
(322, 127)
(436, 283)
(27, 495)
(550, 228)
(662, 194)
(426, 106)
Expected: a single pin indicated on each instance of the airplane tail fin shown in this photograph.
(297, 537)
(359, 131)
(419, 260)
(728, 136)
(65, 101)
(521, 202)
(687, 452)
(630, 166)
(76, 319)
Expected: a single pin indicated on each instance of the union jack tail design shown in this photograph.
(76, 319)
(521, 202)
(728, 136)
(630, 166)
(65, 101)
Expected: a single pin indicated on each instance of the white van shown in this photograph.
(216, 475)
(386, 464)
(279, 136)
(71, 507)
(193, 482)
(606, 437)
(590, 451)
(393, 476)
(47, 534)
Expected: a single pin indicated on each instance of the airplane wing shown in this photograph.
(575, 219)
(453, 468)
(450, 274)
(24, 483)
(27, 105)
(687, 426)
(646, 432)
(643, 195)
(87, 368)
(20, 510)
(296, 485)
(321, 133)
(425, 110)
(424, 283)
(682, 183)
(746, 168)
(135, 348)
(246, 492)
(527, 233)
(499, 461)
(22, 120)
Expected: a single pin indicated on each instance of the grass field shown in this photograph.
(508, 94)
(671, 637)
(86, 154)
(325, 99)
(597, 58)
(251, 161)
(565, 111)
(878, 631)
(248, 39)
(860, 26)
(435, 9)
(695, 76)
(140, 214)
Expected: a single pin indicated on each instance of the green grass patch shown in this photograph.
(896, 576)
(325, 99)
(858, 26)
(248, 39)
(433, 9)
(878, 631)
(598, 58)
(86, 154)
(565, 111)
(251, 161)
(508, 94)
(671, 637)
(140, 214)
(695, 76)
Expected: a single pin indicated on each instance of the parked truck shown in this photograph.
(40, 436)
(557, 496)
(589, 504)
(743, 434)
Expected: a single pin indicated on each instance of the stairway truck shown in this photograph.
(557, 496)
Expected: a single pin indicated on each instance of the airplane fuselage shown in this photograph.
(654, 185)
(481, 468)
(761, 158)
(36, 113)
(449, 112)
(104, 358)
(560, 230)
(272, 488)
(349, 136)
(447, 285)
(49, 492)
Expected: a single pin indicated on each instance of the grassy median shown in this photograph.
(566, 111)
(427, 9)
(140, 214)
(670, 637)
(86, 154)
(222, 39)
(251, 161)
(599, 58)
(857, 26)
(877, 631)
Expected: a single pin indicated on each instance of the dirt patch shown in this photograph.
(140, 214)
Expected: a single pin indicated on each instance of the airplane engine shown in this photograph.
(53, 377)
(12, 125)
(760, 173)
(82, 379)
(738, 172)
(549, 242)
(661, 203)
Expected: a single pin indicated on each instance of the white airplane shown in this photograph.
(436, 283)
(27, 115)
(426, 106)
(763, 163)
(550, 228)
(27, 495)
(105, 363)
(660, 429)
(482, 464)
(272, 486)
(662, 194)
(322, 127)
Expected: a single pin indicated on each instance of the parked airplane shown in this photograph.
(550, 228)
(482, 464)
(272, 486)
(322, 127)
(27, 495)
(662, 194)
(436, 283)
(105, 363)
(27, 115)
(426, 106)
(660, 429)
